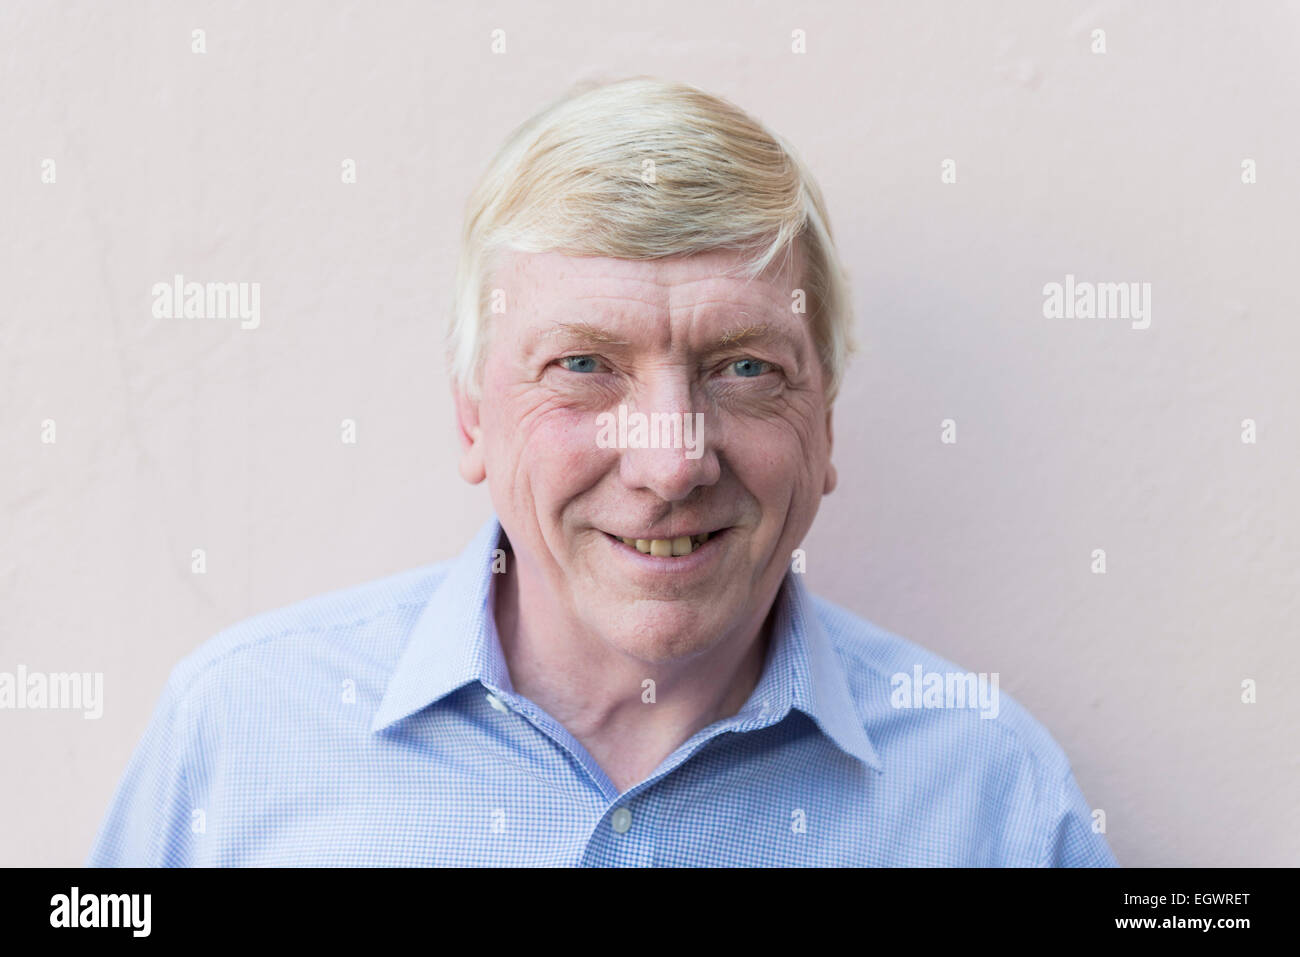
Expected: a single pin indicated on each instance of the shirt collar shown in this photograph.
(454, 642)
(804, 671)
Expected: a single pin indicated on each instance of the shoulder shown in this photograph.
(889, 674)
(958, 750)
(347, 630)
(895, 680)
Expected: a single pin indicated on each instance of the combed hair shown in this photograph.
(571, 180)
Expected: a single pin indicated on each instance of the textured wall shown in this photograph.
(1072, 434)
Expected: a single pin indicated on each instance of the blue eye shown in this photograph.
(579, 363)
(749, 368)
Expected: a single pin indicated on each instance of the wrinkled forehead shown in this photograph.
(544, 288)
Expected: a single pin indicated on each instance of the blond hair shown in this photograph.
(572, 180)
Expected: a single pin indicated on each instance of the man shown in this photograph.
(624, 667)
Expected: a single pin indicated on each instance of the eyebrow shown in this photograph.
(581, 332)
(762, 331)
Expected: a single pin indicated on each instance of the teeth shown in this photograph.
(667, 547)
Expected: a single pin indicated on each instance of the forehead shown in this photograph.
(537, 283)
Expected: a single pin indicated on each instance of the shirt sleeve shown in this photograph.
(148, 821)
(1072, 840)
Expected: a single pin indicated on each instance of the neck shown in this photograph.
(598, 693)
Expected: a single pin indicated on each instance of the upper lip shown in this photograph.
(651, 536)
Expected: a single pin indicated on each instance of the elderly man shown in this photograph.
(624, 667)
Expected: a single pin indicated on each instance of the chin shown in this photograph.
(659, 641)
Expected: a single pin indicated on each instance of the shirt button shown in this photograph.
(621, 820)
(497, 703)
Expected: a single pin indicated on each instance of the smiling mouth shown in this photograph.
(667, 547)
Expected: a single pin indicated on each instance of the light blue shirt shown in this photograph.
(377, 725)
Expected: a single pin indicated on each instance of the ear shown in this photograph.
(831, 477)
(473, 468)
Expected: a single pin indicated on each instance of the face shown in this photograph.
(581, 337)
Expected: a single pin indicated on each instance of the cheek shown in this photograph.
(554, 452)
(775, 460)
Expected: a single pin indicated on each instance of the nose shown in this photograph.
(671, 448)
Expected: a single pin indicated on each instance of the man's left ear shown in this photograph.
(831, 477)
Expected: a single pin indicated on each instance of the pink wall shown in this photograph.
(1073, 434)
